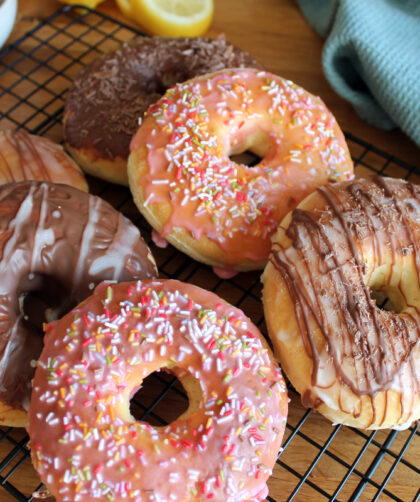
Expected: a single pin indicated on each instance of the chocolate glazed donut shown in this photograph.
(108, 97)
(56, 244)
(346, 248)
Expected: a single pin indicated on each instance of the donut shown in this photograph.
(56, 244)
(225, 444)
(335, 258)
(25, 156)
(218, 211)
(106, 100)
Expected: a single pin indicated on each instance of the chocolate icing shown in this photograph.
(370, 349)
(107, 98)
(56, 244)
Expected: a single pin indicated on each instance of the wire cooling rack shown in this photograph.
(318, 461)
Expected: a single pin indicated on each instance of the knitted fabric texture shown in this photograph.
(371, 57)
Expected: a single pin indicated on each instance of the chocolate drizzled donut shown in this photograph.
(107, 98)
(344, 245)
(26, 156)
(56, 244)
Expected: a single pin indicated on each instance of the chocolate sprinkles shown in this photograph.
(107, 98)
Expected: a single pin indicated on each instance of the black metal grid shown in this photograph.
(329, 462)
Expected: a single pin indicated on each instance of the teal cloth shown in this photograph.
(371, 57)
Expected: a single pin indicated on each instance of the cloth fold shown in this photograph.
(371, 57)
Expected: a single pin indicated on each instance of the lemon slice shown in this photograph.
(88, 3)
(170, 18)
(125, 7)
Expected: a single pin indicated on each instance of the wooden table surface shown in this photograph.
(277, 35)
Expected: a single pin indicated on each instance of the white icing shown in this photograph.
(118, 252)
(87, 237)
(43, 236)
(22, 217)
(9, 349)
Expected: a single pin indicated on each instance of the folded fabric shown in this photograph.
(371, 57)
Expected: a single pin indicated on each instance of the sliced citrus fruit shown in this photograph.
(125, 7)
(171, 18)
(88, 3)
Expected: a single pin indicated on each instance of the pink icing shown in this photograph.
(225, 273)
(262, 494)
(190, 133)
(223, 450)
(160, 241)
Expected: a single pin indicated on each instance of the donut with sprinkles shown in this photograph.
(85, 444)
(221, 212)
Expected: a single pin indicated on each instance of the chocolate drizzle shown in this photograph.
(21, 143)
(56, 243)
(26, 156)
(109, 96)
(363, 226)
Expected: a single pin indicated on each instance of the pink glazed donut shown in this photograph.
(85, 444)
(218, 211)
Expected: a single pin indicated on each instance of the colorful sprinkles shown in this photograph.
(191, 132)
(85, 446)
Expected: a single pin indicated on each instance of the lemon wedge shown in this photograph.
(88, 3)
(170, 18)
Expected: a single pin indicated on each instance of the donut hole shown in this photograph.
(388, 296)
(249, 148)
(41, 299)
(169, 77)
(246, 158)
(389, 300)
(164, 398)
